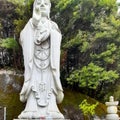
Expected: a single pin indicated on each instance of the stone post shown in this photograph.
(112, 109)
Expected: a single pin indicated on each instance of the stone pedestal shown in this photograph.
(41, 119)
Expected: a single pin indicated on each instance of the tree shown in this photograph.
(10, 53)
(23, 10)
(16, 17)
(92, 77)
(90, 39)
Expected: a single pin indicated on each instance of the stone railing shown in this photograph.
(2, 113)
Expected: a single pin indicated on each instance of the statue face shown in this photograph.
(43, 6)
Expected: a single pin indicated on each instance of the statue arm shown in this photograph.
(36, 16)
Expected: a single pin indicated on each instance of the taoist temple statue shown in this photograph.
(40, 40)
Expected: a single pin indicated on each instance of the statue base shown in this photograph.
(41, 119)
(112, 117)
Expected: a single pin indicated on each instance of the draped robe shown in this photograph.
(27, 42)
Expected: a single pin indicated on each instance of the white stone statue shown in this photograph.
(40, 40)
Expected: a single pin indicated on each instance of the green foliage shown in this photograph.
(9, 43)
(88, 109)
(107, 3)
(17, 2)
(19, 25)
(63, 4)
(107, 56)
(23, 10)
(91, 39)
(90, 76)
(80, 40)
(87, 9)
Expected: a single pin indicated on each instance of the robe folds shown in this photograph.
(27, 37)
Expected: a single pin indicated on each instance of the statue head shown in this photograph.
(43, 6)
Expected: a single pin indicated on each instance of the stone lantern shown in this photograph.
(112, 109)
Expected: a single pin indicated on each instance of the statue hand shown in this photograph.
(36, 15)
(60, 97)
(22, 98)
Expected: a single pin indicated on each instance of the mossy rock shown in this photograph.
(73, 98)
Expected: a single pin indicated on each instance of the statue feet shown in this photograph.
(36, 115)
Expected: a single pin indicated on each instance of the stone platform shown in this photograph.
(42, 119)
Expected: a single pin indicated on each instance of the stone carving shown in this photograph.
(112, 109)
(40, 40)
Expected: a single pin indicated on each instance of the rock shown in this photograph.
(72, 113)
